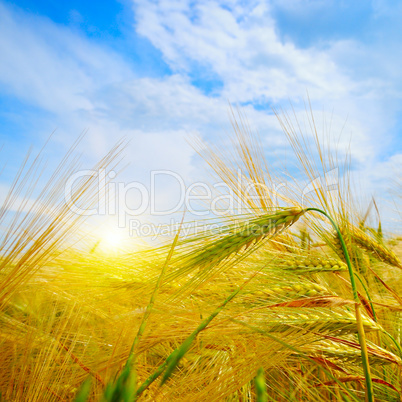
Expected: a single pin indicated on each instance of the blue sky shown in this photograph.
(156, 72)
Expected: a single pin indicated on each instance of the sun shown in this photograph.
(112, 240)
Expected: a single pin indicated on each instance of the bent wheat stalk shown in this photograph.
(359, 320)
(268, 226)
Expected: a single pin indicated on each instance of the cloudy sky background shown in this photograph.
(157, 72)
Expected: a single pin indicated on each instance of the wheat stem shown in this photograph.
(141, 329)
(261, 386)
(359, 320)
(297, 350)
(368, 296)
(174, 358)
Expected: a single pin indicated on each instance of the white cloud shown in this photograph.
(50, 66)
(241, 45)
(246, 52)
(84, 85)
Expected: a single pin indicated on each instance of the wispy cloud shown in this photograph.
(241, 44)
(217, 52)
(51, 66)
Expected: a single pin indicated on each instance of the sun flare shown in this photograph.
(112, 239)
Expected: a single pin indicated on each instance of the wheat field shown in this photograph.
(279, 305)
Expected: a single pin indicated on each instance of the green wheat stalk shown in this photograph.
(359, 320)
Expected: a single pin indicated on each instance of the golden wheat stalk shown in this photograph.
(378, 249)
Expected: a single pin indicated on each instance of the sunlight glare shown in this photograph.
(113, 240)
